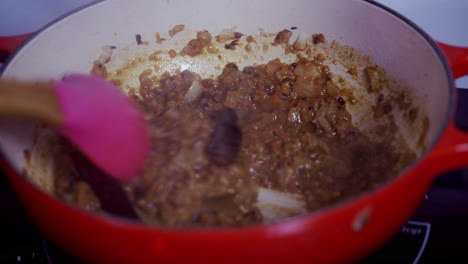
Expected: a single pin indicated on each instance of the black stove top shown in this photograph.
(437, 233)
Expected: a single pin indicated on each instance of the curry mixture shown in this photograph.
(227, 150)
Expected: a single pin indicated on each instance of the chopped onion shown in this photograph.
(276, 205)
(227, 33)
(322, 113)
(105, 55)
(194, 91)
(301, 42)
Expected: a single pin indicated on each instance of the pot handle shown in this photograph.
(451, 152)
(457, 57)
(9, 44)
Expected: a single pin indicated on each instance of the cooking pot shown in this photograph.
(345, 232)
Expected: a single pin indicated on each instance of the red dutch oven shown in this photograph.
(345, 232)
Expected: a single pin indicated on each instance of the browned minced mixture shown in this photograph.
(318, 38)
(279, 126)
(176, 29)
(195, 46)
(283, 37)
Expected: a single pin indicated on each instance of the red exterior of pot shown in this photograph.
(345, 233)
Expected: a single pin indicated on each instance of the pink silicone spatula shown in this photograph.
(91, 112)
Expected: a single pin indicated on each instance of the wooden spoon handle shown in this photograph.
(36, 101)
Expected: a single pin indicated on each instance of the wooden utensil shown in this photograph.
(95, 115)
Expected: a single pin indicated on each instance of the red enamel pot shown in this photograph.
(346, 232)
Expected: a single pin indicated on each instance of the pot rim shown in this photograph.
(103, 217)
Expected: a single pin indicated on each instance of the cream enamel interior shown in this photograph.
(72, 44)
